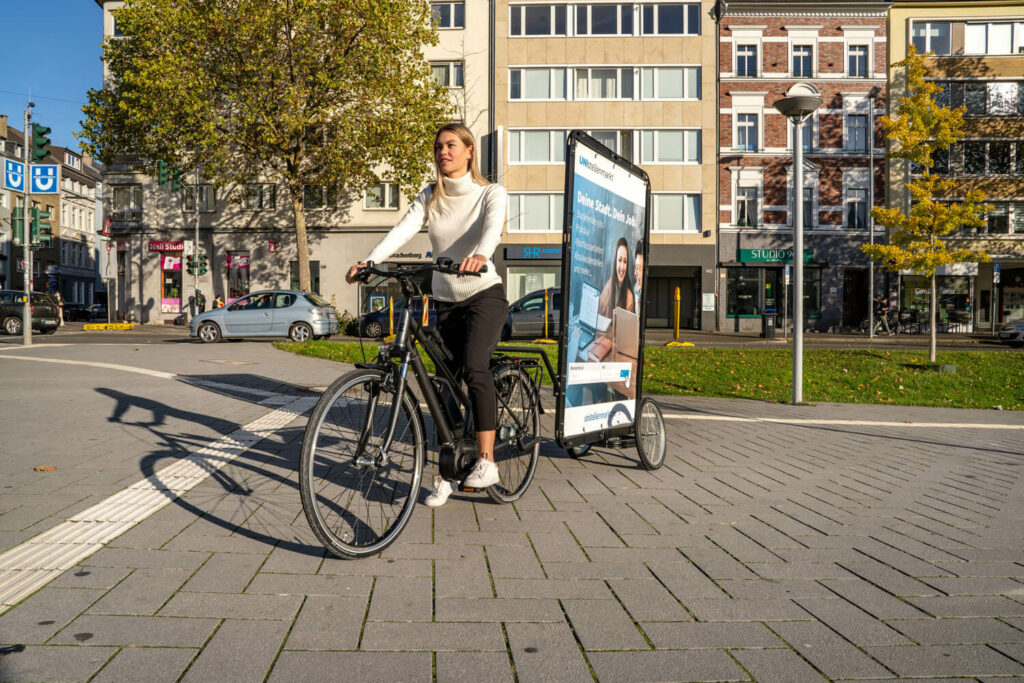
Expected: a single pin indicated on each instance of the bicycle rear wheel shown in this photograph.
(517, 442)
(357, 500)
(650, 434)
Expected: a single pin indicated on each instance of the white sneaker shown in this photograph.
(439, 496)
(484, 474)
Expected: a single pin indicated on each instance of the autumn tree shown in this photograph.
(922, 128)
(301, 92)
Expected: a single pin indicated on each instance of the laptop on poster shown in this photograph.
(627, 332)
(589, 300)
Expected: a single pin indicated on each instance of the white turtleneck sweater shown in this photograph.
(468, 223)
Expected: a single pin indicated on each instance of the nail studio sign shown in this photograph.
(771, 255)
(167, 246)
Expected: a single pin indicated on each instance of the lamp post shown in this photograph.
(802, 102)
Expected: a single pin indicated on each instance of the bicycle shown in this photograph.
(364, 447)
(895, 325)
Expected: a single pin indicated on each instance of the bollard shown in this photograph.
(545, 314)
(391, 316)
(426, 311)
(675, 335)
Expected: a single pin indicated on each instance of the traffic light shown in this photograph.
(40, 141)
(18, 226)
(42, 231)
(163, 172)
(202, 264)
(190, 265)
(177, 180)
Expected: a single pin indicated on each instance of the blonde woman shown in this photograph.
(464, 215)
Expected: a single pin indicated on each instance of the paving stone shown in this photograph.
(498, 610)
(356, 667)
(781, 665)
(763, 588)
(546, 652)
(595, 570)
(557, 545)
(126, 631)
(854, 624)
(548, 588)
(285, 560)
(456, 667)
(768, 609)
(828, 652)
(376, 566)
(150, 664)
(54, 663)
(716, 635)
(508, 562)
(692, 665)
(143, 592)
(240, 650)
(307, 584)
(91, 577)
(603, 625)
(969, 606)
(957, 631)
(225, 573)
(437, 636)
(978, 585)
(889, 579)
(648, 599)
(232, 606)
(156, 559)
(466, 577)
(401, 599)
(328, 623)
(45, 613)
(946, 660)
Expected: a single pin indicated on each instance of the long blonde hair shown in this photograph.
(439, 197)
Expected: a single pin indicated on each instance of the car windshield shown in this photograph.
(316, 299)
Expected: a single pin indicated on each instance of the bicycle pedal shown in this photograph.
(467, 489)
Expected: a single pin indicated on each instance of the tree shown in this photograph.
(920, 130)
(305, 92)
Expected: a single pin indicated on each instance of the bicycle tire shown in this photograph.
(358, 508)
(650, 434)
(516, 466)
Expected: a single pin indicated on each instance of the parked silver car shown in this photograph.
(526, 316)
(300, 316)
(1012, 333)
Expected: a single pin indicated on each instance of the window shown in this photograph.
(1018, 157)
(319, 197)
(604, 20)
(537, 84)
(746, 132)
(943, 97)
(127, 202)
(1002, 99)
(537, 20)
(746, 60)
(670, 83)
(931, 36)
(857, 61)
(676, 212)
(536, 146)
(525, 279)
(803, 61)
(940, 161)
(743, 288)
(670, 19)
(447, 74)
(604, 84)
(994, 38)
(535, 212)
(449, 14)
(260, 197)
(746, 207)
(670, 146)
(381, 196)
(975, 96)
(857, 133)
(808, 207)
(807, 135)
(857, 209)
(999, 161)
(974, 158)
(619, 141)
(207, 198)
(998, 219)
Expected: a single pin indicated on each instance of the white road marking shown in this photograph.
(851, 423)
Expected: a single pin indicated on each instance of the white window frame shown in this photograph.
(552, 83)
(586, 7)
(868, 71)
(588, 70)
(691, 219)
(553, 7)
(207, 199)
(736, 59)
(618, 146)
(265, 197)
(928, 36)
(686, 147)
(691, 76)
(747, 177)
(855, 179)
(757, 131)
(389, 194)
(517, 208)
(451, 14)
(455, 73)
(813, 47)
(130, 210)
(556, 146)
(848, 133)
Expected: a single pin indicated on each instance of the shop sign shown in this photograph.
(410, 256)
(170, 263)
(533, 253)
(238, 261)
(771, 255)
(272, 246)
(122, 246)
(178, 245)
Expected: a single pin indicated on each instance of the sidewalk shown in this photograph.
(777, 543)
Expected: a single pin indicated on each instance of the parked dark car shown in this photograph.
(45, 316)
(74, 312)
(96, 312)
(377, 323)
(526, 316)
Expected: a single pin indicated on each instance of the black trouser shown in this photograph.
(470, 330)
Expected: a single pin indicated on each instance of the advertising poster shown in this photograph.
(604, 274)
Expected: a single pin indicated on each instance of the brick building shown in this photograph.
(766, 47)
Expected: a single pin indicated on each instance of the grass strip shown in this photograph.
(983, 379)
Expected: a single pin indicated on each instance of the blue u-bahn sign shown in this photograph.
(14, 175)
(45, 179)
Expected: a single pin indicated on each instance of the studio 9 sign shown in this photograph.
(771, 255)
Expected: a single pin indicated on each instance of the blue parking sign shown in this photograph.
(14, 175)
(44, 179)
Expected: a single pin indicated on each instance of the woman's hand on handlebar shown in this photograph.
(473, 264)
(350, 277)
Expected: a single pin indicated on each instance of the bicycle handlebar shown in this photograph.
(441, 265)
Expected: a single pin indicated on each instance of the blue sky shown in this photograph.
(59, 69)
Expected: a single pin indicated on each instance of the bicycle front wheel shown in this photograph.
(356, 498)
(650, 434)
(517, 442)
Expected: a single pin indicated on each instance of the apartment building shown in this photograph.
(978, 61)
(639, 77)
(74, 226)
(248, 237)
(766, 48)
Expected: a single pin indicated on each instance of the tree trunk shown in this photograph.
(301, 240)
(932, 315)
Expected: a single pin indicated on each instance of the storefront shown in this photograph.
(955, 310)
(757, 284)
(171, 255)
(527, 268)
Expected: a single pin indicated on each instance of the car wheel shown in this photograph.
(300, 332)
(506, 333)
(208, 333)
(373, 329)
(12, 325)
(49, 331)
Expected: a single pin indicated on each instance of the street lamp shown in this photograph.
(801, 102)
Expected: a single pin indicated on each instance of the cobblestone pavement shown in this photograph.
(777, 542)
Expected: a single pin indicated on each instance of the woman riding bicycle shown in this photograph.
(464, 215)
